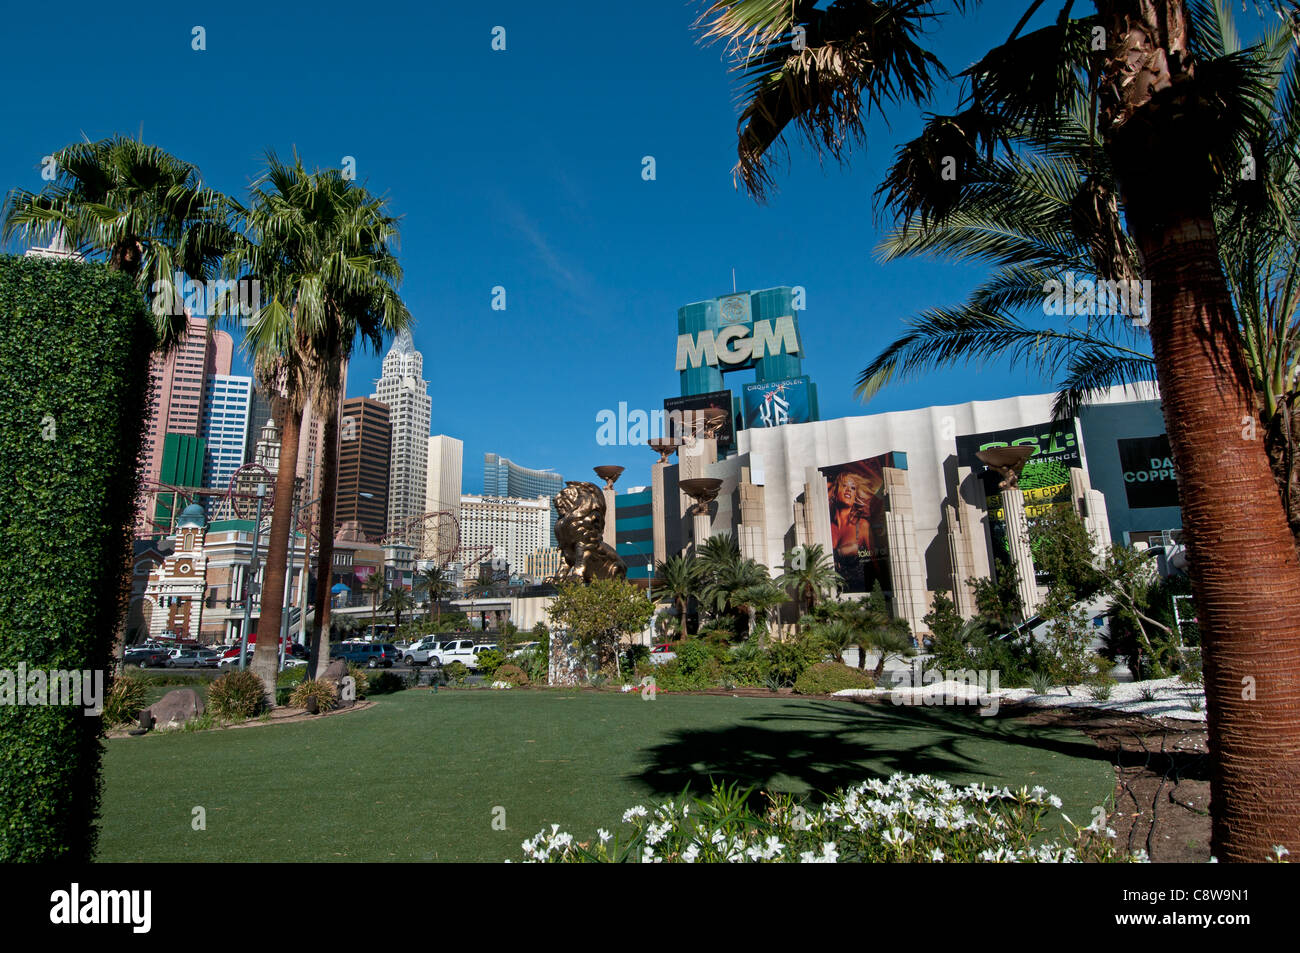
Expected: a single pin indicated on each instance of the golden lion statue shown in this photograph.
(580, 533)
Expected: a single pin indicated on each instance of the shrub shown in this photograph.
(362, 679)
(489, 662)
(292, 676)
(323, 691)
(385, 683)
(826, 678)
(125, 700)
(635, 655)
(456, 673)
(787, 660)
(748, 665)
(236, 695)
(513, 674)
(74, 360)
(692, 657)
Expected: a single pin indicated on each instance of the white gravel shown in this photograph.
(1172, 699)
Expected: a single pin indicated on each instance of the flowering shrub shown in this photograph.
(907, 819)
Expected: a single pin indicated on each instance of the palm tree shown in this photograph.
(737, 587)
(1024, 221)
(323, 244)
(377, 587)
(677, 579)
(399, 600)
(809, 573)
(438, 583)
(1171, 123)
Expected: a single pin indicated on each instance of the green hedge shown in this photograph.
(74, 357)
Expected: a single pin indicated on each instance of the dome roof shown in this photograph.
(192, 515)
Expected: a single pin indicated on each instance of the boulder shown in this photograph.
(175, 708)
(335, 672)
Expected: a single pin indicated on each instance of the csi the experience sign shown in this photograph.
(737, 346)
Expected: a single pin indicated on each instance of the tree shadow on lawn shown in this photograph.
(822, 746)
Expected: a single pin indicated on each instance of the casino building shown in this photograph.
(898, 498)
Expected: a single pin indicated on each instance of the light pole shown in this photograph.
(250, 583)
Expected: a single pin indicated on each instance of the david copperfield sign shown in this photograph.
(1149, 478)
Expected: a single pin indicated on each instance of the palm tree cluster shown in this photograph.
(321, 249)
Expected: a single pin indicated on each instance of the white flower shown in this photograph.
(631, 812)
(1054, 801)
(692, 852)
(1279, 851)
(936, 856)
(603, 834)
(657, 832)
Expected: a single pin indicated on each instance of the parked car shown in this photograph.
(369, 654)
(418, 652)
(455, 650)
(146, 657)
(524, 649)
(192, 658)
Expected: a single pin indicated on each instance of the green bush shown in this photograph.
(489, 662)
(693, 657)
(635, 655)
(826, 678)
(362, 679)
(746, 665)
(74, 358)
(788, 660)
(385, 683)
(236, 695)
(292, 676)
(323, 691)
(456, 673)
(125, 700)
(512, 674)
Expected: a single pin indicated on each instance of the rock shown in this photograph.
(176, 708)
(313, 705)
(335, 672)
(146, 721)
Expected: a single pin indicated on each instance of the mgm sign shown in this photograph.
(740, 342)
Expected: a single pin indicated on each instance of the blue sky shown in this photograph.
(522, 169)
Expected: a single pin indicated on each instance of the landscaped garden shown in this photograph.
(470, 775)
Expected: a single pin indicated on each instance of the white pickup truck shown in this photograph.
(464, 651)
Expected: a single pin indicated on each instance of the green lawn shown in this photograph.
(418, 776)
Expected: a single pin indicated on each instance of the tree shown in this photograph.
(377, 588)
(321, 245)
(145, 210)
(438, 584)
(735, 588)
(677, 579)
(399, 600)
(809, 573)
(1022, 215)
(600, 613)
(1172, 131)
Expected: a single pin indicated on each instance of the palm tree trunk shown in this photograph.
(1242, 555)
(266, 656)
(325, 553)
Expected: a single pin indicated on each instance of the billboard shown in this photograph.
(1045, 480)
(855, 493)
(711, 411)
(1148, 472)
(773, 403)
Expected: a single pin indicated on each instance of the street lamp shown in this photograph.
(250, 580)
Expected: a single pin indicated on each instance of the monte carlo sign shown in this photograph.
(737, 346)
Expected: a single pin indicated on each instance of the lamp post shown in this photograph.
(250, 582)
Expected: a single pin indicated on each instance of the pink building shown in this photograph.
(178, 379)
